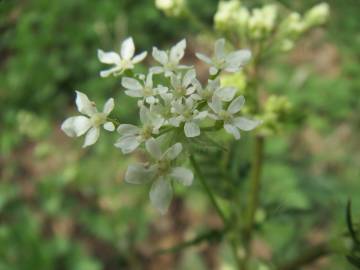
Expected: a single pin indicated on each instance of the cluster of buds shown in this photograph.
(171, 114)
(263, 23)
(172, 8)
(277, 111)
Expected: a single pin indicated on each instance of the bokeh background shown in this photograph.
(64, 207)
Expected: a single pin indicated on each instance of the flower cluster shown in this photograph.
(262, 23)
(171, 113)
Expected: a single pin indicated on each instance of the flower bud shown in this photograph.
(173, 8)
(317, 15)
(262, 21)
(292, 25)
(226, 16)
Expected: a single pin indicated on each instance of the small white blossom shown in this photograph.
(317, 15)
(146, 90)
(160, 172)
(230, 62)
(171, 7)
(232, 123)
(164, 107)
(132, 136)
(79, 125)
(213, 88)
(183, 86)
(169, 60)
(123, 61)
(186, 112)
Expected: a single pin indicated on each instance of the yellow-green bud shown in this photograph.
(236, 80)
(317, 15)
(173, 8)
(226, 16)
(262, 21)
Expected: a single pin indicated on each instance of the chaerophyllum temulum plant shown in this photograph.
(188, 129)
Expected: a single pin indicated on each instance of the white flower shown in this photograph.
(163, 107)
(262, 21)
(132, 136)
(186, 112)
(232, 124)
(161, 172)
(183, 86)
(145, 90)
(79, 125)
(123, 61)
(169, 60)
(213, 88)
(231, 62)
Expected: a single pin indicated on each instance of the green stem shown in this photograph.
(253, 200)
(232, 242)
(209, 236)
(208, 191)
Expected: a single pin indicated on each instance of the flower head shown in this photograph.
(132, 136)
(169, 60)
(146, 90)
(90, 122)
(121, 62)
(232, 123)
(160, 172)
(185, 112)
(230, 62)
(213, 88)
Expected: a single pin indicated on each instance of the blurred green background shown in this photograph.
(63, 207)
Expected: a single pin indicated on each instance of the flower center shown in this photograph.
(163, 166)
(146, 132)
(98, 119)
(225, 116)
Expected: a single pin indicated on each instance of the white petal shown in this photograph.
(232, 130)
(109, 106)
(138, 174)
(134, 93)
(92, 136)
(108, 72)
(138, 58)
(130, 83)
(201, 115)
(226, 93)
(204, 58)
(177, 52)
(189, 77)
(215, 104)
(191, 129)
(84, 105)
(156, 70)
(109, 126)
(127, 143)
(220, 48)
(76, 126)
(127, 49)
(182, 175)
(160, 56)
(236, 105)
(145, 115)
(108, 57)
(160, 195)
(127, 129)
(173, 151)
(237, 59)
(153, 147)
(246, 124)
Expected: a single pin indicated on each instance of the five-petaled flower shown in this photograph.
(169, 60)
(132, 136)
(231, 62)
(123, 61)
(160, 172)
(232, 123)
(79, 125)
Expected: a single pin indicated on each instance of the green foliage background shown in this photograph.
(66, 208)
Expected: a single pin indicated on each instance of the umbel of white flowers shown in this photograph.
(180, 105)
